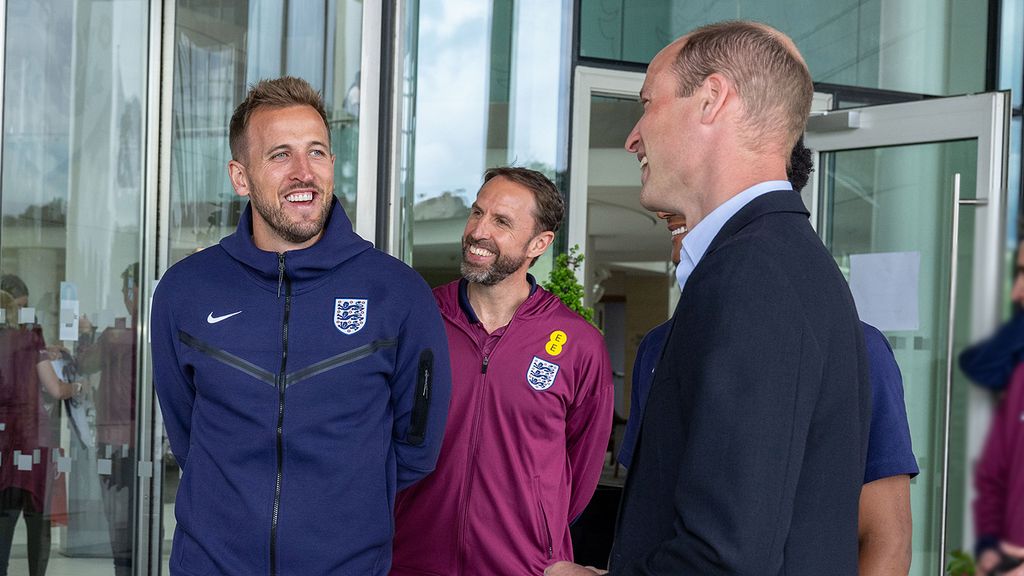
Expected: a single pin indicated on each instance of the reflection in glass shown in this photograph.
(919, 46)
(486, 86)
(223, 47)
(74, 103)
(900, 199)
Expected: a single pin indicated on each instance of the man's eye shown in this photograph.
(318, 153)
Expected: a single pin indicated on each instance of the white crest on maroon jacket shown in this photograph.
(541, 374)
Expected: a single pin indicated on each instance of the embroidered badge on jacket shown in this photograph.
(349, 314)
(541, 374)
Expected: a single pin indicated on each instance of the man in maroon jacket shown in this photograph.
(531, 402)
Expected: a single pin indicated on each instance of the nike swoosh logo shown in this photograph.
(211, 319)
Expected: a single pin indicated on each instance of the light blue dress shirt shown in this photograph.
(696, 242)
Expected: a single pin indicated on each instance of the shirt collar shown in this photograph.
(697, 240)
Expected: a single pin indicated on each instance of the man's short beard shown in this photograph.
(503, 267)
(291, 232)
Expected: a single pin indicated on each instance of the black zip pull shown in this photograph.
(280, 273)
(483, 367)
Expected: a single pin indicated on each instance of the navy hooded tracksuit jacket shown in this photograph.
(300, 391)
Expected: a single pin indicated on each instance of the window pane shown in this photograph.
(881, 201)
(221, 48)
(918, 46)
(73, 156)
(488, 86)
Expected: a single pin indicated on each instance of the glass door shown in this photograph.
(75, 103)
(911, 203)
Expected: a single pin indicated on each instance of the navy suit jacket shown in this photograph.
(751, 452)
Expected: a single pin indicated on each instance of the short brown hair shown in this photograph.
(549, 206)
(769, 75)
(277, 93)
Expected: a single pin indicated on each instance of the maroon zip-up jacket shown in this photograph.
(526, 436)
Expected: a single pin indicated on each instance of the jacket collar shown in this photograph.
(338, 244)
(467, 308)
(777, 201)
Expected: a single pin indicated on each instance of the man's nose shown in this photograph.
(633, 140)
(302, 168)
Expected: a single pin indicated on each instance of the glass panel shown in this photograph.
(486, 85)
(900, 200)
(630, 277)
(221, 48)
(918, 46)
(73, 156)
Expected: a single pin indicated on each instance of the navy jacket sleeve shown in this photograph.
(990, 362)
(647, 355)
(174, 388)
(889, 447)
(420, 388)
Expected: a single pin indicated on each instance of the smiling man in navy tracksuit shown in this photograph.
(303, 375)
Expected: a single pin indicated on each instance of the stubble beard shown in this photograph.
(288, 230)
(502, 267)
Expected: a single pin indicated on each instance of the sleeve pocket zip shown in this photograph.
(421, 405)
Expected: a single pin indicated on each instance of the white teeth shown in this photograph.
(480, 251)
(299, 197)
(643, 162)
(678, 231)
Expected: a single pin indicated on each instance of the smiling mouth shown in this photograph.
(482, 252)
(679, 231)
(299, 197)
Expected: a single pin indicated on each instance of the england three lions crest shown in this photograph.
(349, 314)
(541, 374)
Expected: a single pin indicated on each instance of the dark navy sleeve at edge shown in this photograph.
(647, 355)
(174, 388)
(991, 361)
(889, 446)
(420, 386)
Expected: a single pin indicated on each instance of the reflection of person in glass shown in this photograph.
(112, 354)
(26, 437)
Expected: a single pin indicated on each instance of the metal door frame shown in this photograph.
(986, 119)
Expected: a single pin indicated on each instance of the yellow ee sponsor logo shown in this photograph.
(556, 340)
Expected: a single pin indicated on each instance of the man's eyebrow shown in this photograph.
(278, 148)
(311, 143)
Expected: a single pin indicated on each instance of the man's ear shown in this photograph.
(714, 92)
(239, 181)
(539, 243)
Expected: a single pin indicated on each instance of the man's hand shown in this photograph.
(1013, 552)
(564, 568)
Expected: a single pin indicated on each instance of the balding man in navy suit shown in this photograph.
(751, 454)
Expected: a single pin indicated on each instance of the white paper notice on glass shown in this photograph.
(27, 315)
(68, 311)
(885, 288)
